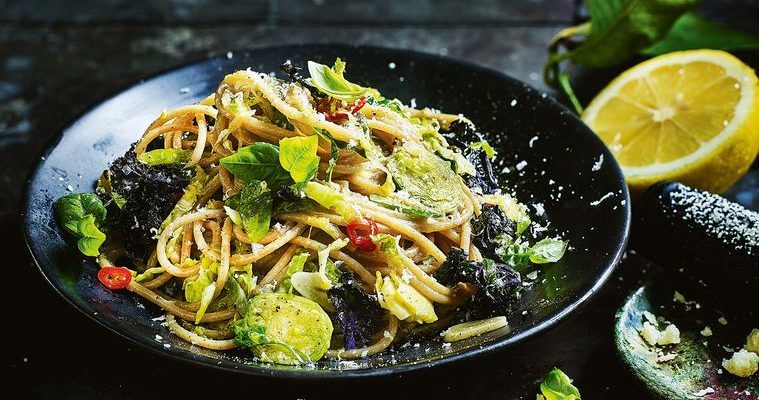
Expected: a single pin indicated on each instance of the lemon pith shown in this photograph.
(690, 116)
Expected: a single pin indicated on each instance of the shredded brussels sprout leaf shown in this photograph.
(331, 82)
(165, 157)
(557, 386)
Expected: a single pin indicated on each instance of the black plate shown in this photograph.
(548, 157)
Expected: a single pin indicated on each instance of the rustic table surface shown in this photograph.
(59, 57)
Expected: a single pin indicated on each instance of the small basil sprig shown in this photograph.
(557, 386)
(520, 254)
(82, 214)
(297, 155)
(620, 29)
(331, 82)
(258, 162)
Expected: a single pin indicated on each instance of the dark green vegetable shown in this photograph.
(693, 32)
(140, 185)
(253, 204)
(461, 135)
(105, 190)
(333, 154)
(81, 214)
(258, 162)
(496, 283)
(489, 225)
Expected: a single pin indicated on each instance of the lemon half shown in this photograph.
(689, 116)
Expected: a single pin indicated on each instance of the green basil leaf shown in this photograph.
(515, 253)
(557, 386)
(331, 82)
(693, 32)
(417, 209)
(254, 206)
(90, 237)
(298, 156)
(621, 28)
(547, 250)
(165, 157)
(76, 206)
(257, 162)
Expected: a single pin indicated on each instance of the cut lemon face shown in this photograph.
(690, 116)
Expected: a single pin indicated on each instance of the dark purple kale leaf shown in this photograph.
(461, 135)
(491, 223)
(356, 312)
(497, 284)
(150, 194)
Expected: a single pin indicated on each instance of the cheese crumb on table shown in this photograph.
(670, 335)
(743, 363)
(706, 332)
(650, 333)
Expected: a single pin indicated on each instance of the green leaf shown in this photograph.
(81, 214)
(90, 237)
(557, 386)
(328, 197)
(334, 152)
(73, 207)
(547, 250)
(165, 157)
(253, 204)
(105, 188)
(514, 253)
(257, 162)
(693, 32)
(485, 146)
(621, 28)
(296, 265)
(410, 207)
(298, 156)
(331, 82)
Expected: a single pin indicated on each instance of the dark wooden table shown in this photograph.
(59, 57)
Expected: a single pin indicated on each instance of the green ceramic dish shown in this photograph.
(698, 361)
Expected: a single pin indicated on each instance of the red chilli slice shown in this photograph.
(360, 103)
(114, 278)
(357, 233)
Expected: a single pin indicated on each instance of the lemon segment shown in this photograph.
(690, 116)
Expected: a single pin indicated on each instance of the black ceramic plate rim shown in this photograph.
(307, 374)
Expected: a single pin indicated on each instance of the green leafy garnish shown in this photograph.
(253, 206)
(557, 386)
(693, 32)
(297, 155)
(330, 198)
(257, 162)
(547, 250)
(408, 206)
(334, 153)
(520, 254)
(331, 82)
(105, 189)
(188, 199)
(165, 157)
(82, 214)
(296, 265)
(485, 146)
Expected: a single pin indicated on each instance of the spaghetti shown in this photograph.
(300, 188)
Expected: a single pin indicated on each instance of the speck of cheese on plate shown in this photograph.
(743, 363)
